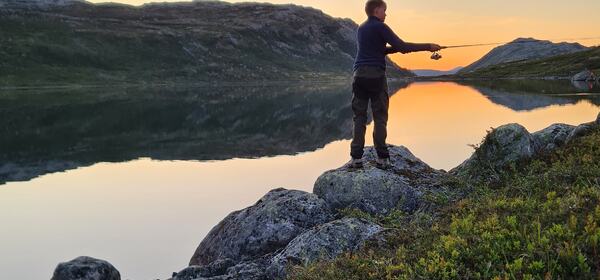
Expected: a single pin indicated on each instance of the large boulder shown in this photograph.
(86, 268)
(580, 130)
(378, 191)
(583, 129)
(503, 145)
(551, 137)
(270, 224)
(324, 242)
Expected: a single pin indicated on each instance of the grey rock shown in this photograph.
(218, 267)
(551, 137)
(252, 270)
(226, 270)
(324, 242)
(378, 191)
(505, 144)
(584, 76)
(86, 268)
(580, 130)
(262, 228)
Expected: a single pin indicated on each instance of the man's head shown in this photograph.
(376, 8)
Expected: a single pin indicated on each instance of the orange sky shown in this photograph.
(466, 22)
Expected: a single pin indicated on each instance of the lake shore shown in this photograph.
(315, 228)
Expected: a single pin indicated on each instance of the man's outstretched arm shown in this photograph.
(397, 45)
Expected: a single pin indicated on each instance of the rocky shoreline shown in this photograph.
(290, 227)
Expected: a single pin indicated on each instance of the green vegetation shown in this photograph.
(106, 44)
(558, 66)
(540, 222)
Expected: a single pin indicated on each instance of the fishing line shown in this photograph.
(437, 56)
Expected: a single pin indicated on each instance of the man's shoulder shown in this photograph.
(372, 24)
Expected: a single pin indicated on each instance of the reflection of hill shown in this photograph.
(525, 95)
(46, 132)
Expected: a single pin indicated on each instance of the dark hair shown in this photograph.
(372, 5)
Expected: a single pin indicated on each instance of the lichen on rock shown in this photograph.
(378, 191)
(86, 268)
(262, 228)
(324, 242)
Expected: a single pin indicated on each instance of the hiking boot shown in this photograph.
(356, 163)
(383, 163)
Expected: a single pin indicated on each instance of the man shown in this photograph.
(370, 82)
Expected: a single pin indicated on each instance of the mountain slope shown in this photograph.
(560, 66)
(79, 42)
(522, 49)
(435, 73)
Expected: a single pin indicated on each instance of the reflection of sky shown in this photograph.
(465, 22)
(147, 217)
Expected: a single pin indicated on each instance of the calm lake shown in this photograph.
(138, 176)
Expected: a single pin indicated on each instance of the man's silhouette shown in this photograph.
(370, 82)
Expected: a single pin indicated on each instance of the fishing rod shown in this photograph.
(437, 56)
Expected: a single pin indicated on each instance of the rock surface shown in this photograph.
(580, 130)
(512, 142)
(225, 270)
(552, 137)
(86, 268)
(379, 191)
(262, 228)
(507, 143)
(324, 242)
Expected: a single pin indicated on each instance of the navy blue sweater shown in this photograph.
(373, 36)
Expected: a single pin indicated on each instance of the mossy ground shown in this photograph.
(540, 222)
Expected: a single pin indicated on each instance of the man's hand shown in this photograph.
(435, 47)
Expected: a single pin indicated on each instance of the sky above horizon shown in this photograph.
(464, 22)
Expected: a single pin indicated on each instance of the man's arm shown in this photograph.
(400, 46)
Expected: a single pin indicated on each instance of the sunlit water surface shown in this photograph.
(147, 216)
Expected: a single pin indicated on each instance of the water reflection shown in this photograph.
(45, 132)
(527, 95)
(146, 215)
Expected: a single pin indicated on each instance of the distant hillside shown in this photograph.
(561, 66)
(522, 49)
(61, 41)
(435, 73)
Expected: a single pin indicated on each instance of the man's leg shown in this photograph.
(379, 106)
(360, 104)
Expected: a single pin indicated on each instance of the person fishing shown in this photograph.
(370, 82)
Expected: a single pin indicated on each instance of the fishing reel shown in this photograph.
(436, 56)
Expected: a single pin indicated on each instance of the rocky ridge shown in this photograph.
(522, 49)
